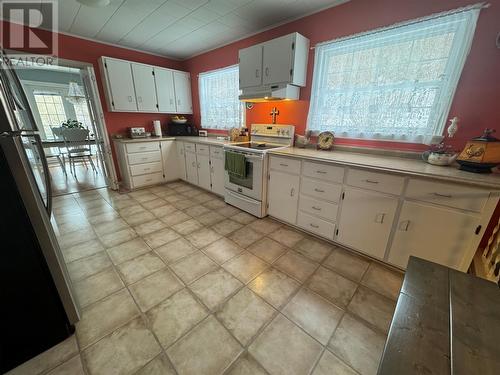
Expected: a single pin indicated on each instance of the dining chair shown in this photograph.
(77, 143)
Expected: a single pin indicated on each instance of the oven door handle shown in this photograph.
(248, 156)
(240, 197)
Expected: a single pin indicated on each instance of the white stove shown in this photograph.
(250, 193)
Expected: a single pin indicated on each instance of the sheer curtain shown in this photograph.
(219, 104)
(393, 83)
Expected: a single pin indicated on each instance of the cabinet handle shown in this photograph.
(256, 73)
(314, 225)
(139, 99)
(179, 101)
(292, 192)
(212, 169)
(198, 165)
(379, 218)
(194, 164)
(148, 179)
(316, 208)
(321, 172)
(129, 98)
(371, 182)
(442, 195)
(144, 159)
(143, 147)
(318, 190)
(284, 165)
(147, 169)
(403, 226)
(267, 71)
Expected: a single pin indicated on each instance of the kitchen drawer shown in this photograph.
(320, 189)
(142, 147)
(147, 168)
(385, 183)
(147, 179)
(325, 210)
(144, 157)
(316, 225)
(451, 195)
(216, 152)
(323, 171)
(285, 164)
(189, 147)
(202, 149)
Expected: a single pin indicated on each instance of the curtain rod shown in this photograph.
(405, 23)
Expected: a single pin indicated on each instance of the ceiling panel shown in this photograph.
(89, 21)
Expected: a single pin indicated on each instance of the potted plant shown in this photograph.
(72, 124)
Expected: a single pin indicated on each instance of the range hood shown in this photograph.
(270, 93)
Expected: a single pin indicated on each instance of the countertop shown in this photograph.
(393, 164)
(203, 140)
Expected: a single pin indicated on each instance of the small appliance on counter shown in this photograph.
(138, 132)
(480, 154)
(175, 129)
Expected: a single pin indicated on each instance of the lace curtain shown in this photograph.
(395, 83)
(219, 104)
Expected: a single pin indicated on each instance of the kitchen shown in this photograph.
(271, 193)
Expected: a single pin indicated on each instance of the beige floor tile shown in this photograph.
(163, 236)
(314, 315)
(215, 204)
(97, 286)
(154, 203)
(329, 364)
(314, 249)
(265, 226)
(165, 192)
(244, 314)
(274, 286)
(128, 250)
(132, 210)
(357, 345)
(245, 266)
(245, 236)
(227, 226)
(122, 203)
(383, 280)
(70, 367)
(287, 237)
(110, 226)
(139, 218)
(65, 228)
(116, 238)
(175, 316)
(347, 264)
(207, 349)
(210, 218)
(183, 204)
(103, 317)
(124, 351)
(283, 348)
(103, 218)
(213, 288)
(187, 227)
(149, 227)
(203, 197)
(82, 250)
(85, 267)
(228, 211)
(203, 237)
(222, 250)
(332, 286)
(158, 366)
(175, 217)
(136, 269)
(163, 211)
(267, 249)
(296, 265)
(243, 218)
(172, 198)
(196, 211)
(155, 288)
(75, 237)
(373, 307)
(246, 365)
(98, 210)
(193, 266)
(175, 250)
(49, 359)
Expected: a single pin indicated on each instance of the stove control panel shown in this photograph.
(282, 134)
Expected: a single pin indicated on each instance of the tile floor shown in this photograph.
(171, 280)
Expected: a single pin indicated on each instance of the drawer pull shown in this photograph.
(442, 195)
(149, 179)
(147, 169)
(371, 182)
(143, 147)
(316, 208)
(379, 218)
(284, 165)
(292, 192)
(314, 225)
(403, 226)
(321, 172)
(144, 158)
(318, 190)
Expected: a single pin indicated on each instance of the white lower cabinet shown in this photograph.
(191, 168)
(170, 162)
(437, 234)
(181, 159)
(217, 171)
(283, 196)
(203, 165)
(366, 220)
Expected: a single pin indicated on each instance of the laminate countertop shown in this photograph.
(392, 164)
(203, 140)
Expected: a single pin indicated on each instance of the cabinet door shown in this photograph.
(169, 158)
(277, 60)
(145, 91)
(437, 234)
(191, 168)
(366, 220)
(217, 175)
(203, 164)
(121, 85)
(283, 196)
(182, 84)
(250, 66)
(165, 92)
(181, 159)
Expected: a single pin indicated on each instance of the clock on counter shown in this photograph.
(325, 140)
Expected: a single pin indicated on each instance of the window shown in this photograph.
(51, 109)
(395, 83)
(219, 104)
(82, 114)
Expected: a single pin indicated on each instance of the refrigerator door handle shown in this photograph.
(46, 172)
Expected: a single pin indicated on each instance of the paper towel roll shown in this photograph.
(157, 126)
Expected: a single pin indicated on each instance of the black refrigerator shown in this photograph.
(37, 306)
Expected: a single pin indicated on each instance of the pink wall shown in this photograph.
(476, 98)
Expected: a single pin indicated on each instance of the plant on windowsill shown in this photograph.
(72, 124)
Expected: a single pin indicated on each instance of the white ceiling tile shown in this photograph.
(224, 7)
(89, 20)
(204, 14)
(67, 11)
(191, 4)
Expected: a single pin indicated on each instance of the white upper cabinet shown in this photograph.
(182, 84)
(119, 83)
(165, 92)
(145, 91)
(250, 66)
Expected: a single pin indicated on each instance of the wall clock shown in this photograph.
(325, 140)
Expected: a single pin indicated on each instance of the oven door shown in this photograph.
(251, 186)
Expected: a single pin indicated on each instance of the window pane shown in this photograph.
(51, 111)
